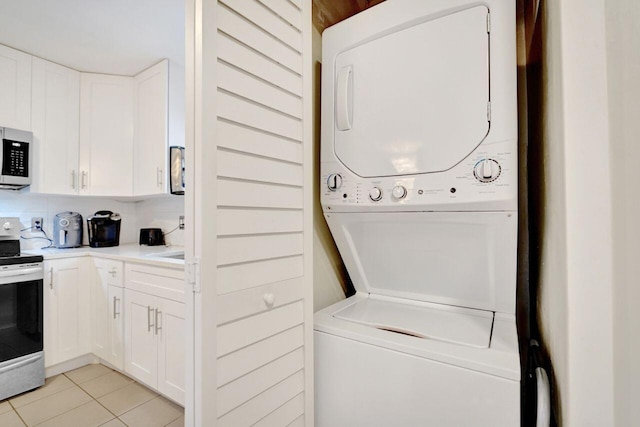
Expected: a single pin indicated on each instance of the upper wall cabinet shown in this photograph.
(151, 88)
(55, 110)
(15, 87)
(106, 135)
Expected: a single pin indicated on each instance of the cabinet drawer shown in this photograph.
(111, 270)
(163, 282)
(252, 301)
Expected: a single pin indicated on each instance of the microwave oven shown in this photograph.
(16, 153)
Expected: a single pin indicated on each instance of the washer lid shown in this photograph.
(466, 259)
(428, 321)
(415, 100)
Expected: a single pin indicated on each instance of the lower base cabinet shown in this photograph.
(107, 299)
(67, 312)
(155, 342)
(89, 307)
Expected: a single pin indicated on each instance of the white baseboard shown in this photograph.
(78, 362)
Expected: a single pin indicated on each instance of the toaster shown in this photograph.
(151, 236)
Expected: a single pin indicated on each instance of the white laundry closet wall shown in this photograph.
(575, 219)
(623, 60)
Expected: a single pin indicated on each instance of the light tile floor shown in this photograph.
(91, 396)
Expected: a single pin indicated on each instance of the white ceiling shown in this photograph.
(104, 36)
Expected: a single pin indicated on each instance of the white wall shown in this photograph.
(623, 58)
(575, 303)
(161, 212)
(164, 213)
(328, 268)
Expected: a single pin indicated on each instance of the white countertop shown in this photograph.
(131, 252)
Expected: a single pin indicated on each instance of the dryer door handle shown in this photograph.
(344, 98)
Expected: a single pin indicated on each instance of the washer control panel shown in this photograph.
(486, 178)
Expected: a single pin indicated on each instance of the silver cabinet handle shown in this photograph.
(73, 179)
(159, 176)
(158, 327)
(115, 304)
(113, 272)
(51, 278)
(84, 179)
(149, 325)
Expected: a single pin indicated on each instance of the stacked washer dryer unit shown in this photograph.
(419, 176)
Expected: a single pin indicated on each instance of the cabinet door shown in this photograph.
(67, 314)
(141, 353)
(116, 327)
(15, 87)
(106, 310)
(151, 117)
(171, 349)
(55, 106)
(106, 135)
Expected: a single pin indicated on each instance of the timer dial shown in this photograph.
(399, 192)
(487, 170)
(375, 194)
(334, 182)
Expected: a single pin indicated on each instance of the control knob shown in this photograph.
(334, 182)
(6, 225)
(375, 194)
(399, 192)
(487, 170)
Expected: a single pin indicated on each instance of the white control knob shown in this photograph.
(6, 225)
(399, 192)
(375, 194)
(487, 170)
(334, 182)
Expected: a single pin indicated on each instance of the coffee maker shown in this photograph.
(67, 230)
(104, 229)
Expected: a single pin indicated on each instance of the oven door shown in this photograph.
(20, 311)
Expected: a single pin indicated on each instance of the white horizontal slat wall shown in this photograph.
(263, 305)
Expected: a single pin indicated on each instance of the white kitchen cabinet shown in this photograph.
(171, 349)
(155, 329)
(106, 135)
(55, 109)
(151, 89)
(141, 347)
(107, 300)
(15, 87)
(67, 315)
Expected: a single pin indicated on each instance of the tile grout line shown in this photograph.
(90, 379)
(17, 413)
(92, 398)
(68, 388)
(62, 413)
(8, 400)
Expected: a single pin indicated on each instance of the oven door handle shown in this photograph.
(20, 364)
(24, 275)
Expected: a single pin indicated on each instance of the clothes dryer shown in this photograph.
(419, 189)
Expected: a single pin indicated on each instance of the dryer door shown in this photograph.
(416, 100)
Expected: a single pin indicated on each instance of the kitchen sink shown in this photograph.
(172, 255)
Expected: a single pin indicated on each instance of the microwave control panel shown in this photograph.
(15, 158)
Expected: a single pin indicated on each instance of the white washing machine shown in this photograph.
(419, 176)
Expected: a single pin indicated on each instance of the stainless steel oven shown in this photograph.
(21, 311)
